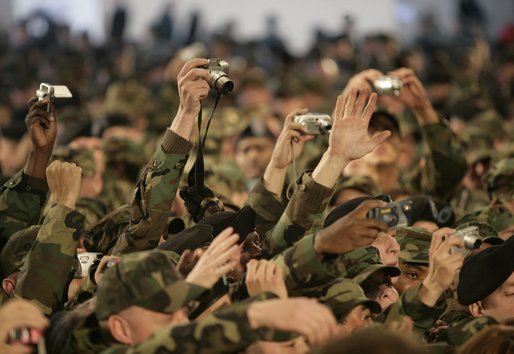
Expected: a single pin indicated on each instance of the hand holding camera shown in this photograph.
(41, 124)
(443, 265)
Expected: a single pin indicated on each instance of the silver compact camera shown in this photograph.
(52, 92)
(218, 75)
(471, 238)
(388, 86)
(315, 123)
(86, 259)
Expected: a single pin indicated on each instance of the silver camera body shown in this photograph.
(50, 92)
(218, 75)
(471, 238)
(315, 123)
(388, 86)
(86, 260)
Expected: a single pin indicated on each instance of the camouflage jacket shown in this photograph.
(45, 273)
(307, 204)
(267, 206)
(445, 164)
(224, 331)
(304, 269)
(153, 197)
(21, 201)
(409, 304)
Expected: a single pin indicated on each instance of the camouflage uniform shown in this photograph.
(414, 244)
(153, 199)
(46, 270)
(305, 207)
(445, 163)
(267, 206)
(499, 180)
(21, 202)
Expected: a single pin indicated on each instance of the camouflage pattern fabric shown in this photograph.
(343, 295)
(467, 201)
(45, 273)
(445, 163)
(154, 196)
(83, 158)
(409, 304)
(21, 202)
(414, 244)
(356, 261)
(17, 247)
(304, 269)
(267, 206)
(92, 209)
(307, 204)
(116, 191)
(499, 180)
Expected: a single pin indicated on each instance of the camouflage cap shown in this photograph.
(363, 184)
(392, 271)
(129, 97)
(16, 248)
(414, 244)
(363, 262)
(496, 216)
(124, 150)
(83, 158)
(487, 232)
(499, 179)
(147, 279)
(343, 295)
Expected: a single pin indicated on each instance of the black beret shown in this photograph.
(242, 221)
(190, 239)
(485, 272)
(349, 206)
(429, 209)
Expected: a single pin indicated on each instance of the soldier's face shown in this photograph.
(253, 155)
(411, 276)
(388, 248)
(359, 318)
(500, 304)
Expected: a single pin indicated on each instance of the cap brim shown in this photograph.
(390, 270)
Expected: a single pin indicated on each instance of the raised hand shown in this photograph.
(443, 265)
(349, 137)
(217, 260)
(364, 79)
(414, 96)
(64, 182)
(263, 276)
(41, 125)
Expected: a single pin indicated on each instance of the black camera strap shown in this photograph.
(197, 196)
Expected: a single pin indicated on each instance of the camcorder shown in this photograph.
(396, 214)
(51, 92)
(218, 75)
(471, 239)
(315, 123)
(86, 260)
(388, 86)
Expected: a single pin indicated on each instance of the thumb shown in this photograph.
(379, 138)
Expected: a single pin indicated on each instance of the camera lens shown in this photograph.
(390, 219)
(325, 128)
(223, 84)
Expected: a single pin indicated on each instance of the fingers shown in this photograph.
(196, 74)
(362, 210)
(350, 103)
(438, 237)
(370, 107)
(379, 138)
(340, 105)
(294, 113)
(361, 101)
(193, 63)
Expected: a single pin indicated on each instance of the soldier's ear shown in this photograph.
(120, 329)
(8, 285)
(476, 309)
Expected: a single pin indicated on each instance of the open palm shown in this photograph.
(349, 137)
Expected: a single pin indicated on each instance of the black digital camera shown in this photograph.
(396, 214)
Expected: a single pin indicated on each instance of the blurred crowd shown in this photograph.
(150, 213)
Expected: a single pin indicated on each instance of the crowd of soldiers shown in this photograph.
(389, 234)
